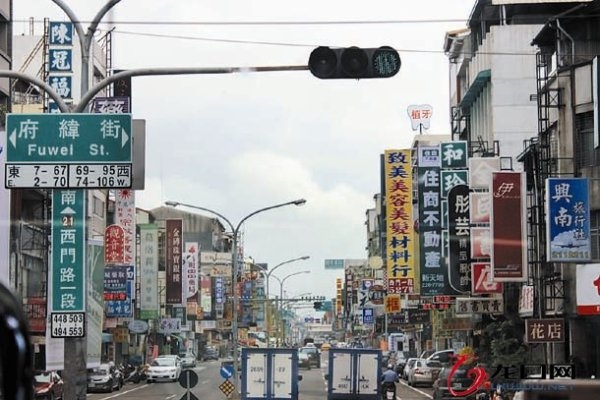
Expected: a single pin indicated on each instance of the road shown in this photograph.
(312, 387)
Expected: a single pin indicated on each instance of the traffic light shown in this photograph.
(317, 305)
(354, 62)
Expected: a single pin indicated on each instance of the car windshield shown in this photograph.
(43, 378)
(102, 370)
(163, 362)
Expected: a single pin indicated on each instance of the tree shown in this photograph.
(502, 344)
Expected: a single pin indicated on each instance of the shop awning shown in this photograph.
(482, 78)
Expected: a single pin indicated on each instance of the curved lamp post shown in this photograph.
(281, 282)
(234, 264)
(267, 275)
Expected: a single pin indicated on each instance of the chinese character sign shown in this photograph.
(125, 218)
(60, 33)
(148, 271)
(111, 105)
(114, 240)
(60, 60)
(568, 219)
(68, 250)
(119, 301)
(459, 243)
(190, 270)
(432, 265)
(174, 247)
(392, 303)
(454, 154)
(509, 230)
(399, 221)
(544, 330)
(420, 116)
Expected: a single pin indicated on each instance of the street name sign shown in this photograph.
(68, 151)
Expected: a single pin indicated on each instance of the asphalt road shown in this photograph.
(312, 387)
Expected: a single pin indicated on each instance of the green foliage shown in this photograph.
(502, 345)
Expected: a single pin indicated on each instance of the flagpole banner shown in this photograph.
(568, 220)
(400, 257)
(509, 230)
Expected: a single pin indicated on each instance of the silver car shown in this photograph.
(409, 364)
(424, 372)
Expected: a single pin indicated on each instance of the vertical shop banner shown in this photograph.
(114, 245)
(125, 218)
(94, 316)
(174, 250)
(148, 271)
(459, 244)
(434, 275)
(400, 257)
(206, 296)
(68, 251)
(454, 154)
(509, 229)
(587, 289)
(191, 275)
(568, 220)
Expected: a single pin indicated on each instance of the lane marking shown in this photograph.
(125, 392)
(417, 390)
(170, 397)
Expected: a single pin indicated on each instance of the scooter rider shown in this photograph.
(389, 379)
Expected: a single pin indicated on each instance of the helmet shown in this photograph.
(390, 366)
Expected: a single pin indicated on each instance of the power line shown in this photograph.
(309, 45)
(274, 23)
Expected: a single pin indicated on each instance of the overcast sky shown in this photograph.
(236, 143)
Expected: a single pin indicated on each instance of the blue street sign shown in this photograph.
(226, 371)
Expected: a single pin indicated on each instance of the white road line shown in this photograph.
(125, 392)
(170, 397)
(416, 390)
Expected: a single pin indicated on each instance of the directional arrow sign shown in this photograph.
(68, 138)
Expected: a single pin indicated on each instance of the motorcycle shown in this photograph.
(388, 391)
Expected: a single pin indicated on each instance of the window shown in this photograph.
(586, 155)
(98, 207)
(595, 233)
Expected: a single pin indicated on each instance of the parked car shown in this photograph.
(303, 360)
(103, 379)
(188, 360)
(401, 359)
(313, 354)
(210, 354)
(460, 381)
(164, 369)
(424, 372)
(407, 367)
(48, 385)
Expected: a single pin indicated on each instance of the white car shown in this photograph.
(164, 369)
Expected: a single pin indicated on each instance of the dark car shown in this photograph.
(313, 355)
(303, 360)
(48, 385)
(103, 379)
(210, 354)
(460, 381)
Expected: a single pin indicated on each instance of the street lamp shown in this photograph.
(234, 264)
(281, 282)
(267, 275)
